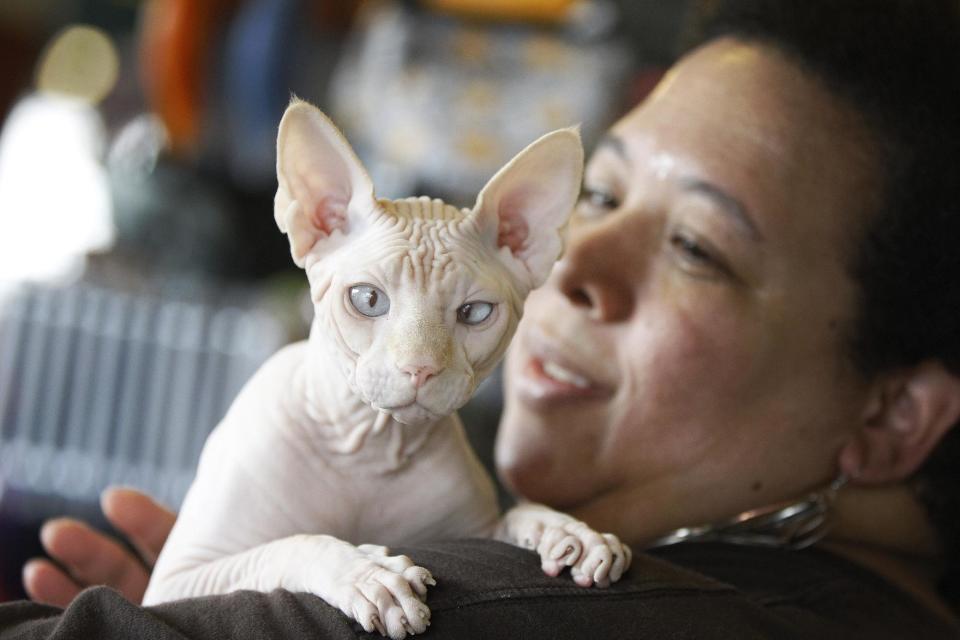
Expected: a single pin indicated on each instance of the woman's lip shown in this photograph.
(552, 372)
(536, 386)
(575, 362)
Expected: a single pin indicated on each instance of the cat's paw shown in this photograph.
(384, 593)
(594, 558)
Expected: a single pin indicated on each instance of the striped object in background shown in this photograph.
(99, 388)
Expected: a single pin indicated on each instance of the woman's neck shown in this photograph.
(887, 531)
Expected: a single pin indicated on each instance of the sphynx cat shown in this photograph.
(351, 436)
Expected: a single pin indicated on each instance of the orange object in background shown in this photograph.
(535, 10)
(175, 35)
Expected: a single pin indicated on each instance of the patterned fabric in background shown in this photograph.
(436, 105)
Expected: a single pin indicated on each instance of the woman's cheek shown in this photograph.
(706, 323)
(689, 360)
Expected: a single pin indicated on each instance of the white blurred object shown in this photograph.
(54, 196)
(55, 204)
(137, 147)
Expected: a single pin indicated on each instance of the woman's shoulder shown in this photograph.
(816, 592)
(697, 590)
(487, 589)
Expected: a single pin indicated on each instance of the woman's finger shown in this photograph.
(47, 583)
(91, 557)
(145, 522)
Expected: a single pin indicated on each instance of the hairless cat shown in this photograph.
(349, 441)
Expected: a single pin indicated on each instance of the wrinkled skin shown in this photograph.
(345, 443)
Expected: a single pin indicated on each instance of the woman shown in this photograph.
(757, 303)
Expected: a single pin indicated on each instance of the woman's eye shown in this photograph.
(691, 249)
(699, 258)
(473, 313)
(597, 200)
(369, 300)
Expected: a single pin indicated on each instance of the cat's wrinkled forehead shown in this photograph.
(431, 228)
(423, 209)
(425, 239)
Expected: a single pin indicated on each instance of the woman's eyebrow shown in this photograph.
(614, 143)
(726, 203)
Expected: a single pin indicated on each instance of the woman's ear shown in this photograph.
(906, 416)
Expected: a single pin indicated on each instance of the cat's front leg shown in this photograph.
(563, 541)
(382, 592)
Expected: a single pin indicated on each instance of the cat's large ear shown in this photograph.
(324, 193)
(524, 207)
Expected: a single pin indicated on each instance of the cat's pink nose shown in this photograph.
(419, 374)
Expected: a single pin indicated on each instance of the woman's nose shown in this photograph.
(598, 274)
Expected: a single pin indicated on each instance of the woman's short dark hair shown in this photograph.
(897, 63)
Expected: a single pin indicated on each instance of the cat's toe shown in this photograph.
(403, 597)
(375, 550)
(396, 622)
(622, 556)
(596, 565)
(419, 579)
(396, 564)
(366, 613)
(558, 549)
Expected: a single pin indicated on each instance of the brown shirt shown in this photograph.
(487, 589)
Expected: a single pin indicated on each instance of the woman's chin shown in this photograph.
(553, 492)
(536, 471)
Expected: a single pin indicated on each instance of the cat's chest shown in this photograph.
(441, 491)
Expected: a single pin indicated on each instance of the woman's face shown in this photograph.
(686, 361)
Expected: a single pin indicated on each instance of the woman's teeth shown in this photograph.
(560, 374)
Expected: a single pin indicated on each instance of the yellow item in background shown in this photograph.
(81, 61)
(535, 10)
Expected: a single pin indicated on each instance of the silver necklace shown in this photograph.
(792, 525)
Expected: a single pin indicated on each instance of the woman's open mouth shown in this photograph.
(545, 380)
(560, 375)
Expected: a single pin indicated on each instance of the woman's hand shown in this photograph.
(89, 557)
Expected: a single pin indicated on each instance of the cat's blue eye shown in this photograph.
(369, 300)
(474, 312)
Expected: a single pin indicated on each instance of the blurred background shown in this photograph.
(142, 278)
